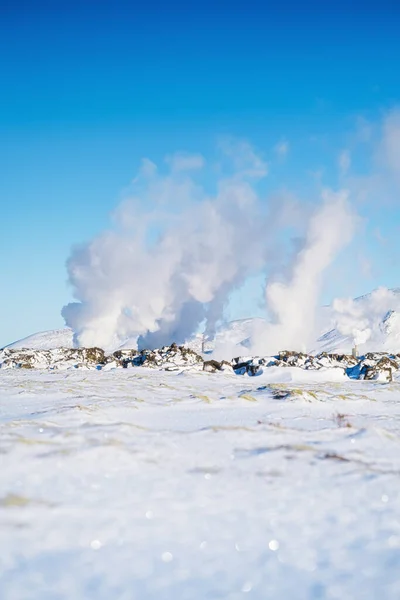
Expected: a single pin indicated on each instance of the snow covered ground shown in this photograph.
(143, 484)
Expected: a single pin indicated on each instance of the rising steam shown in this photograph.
(370, 321)
(293, 305)
(176, 253)
(173, 257)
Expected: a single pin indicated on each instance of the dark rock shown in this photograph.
(211, 366)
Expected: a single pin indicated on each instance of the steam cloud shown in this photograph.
(371, 321)
(176, 253)
(293, 305)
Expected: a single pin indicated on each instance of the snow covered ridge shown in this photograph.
(372, 366)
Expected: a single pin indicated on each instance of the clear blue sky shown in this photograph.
(88, 88)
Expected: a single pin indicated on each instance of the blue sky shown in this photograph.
(89, 88)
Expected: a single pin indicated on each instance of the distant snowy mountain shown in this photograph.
(372, 321)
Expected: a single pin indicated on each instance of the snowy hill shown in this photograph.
(46, 340)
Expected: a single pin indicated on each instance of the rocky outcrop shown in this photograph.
(58, 358)
(169, 358)
(373, 366)
(376, 366)
(214, 365)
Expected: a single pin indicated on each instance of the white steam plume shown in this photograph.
(174, 255)
(293, 305)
